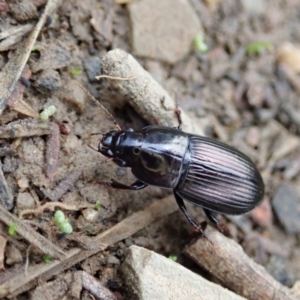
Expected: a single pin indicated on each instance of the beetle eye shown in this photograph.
(136, 151)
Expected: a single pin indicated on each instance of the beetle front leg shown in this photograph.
(182, 207)
(178, 115)
(137, 185)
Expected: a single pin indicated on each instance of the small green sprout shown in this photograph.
(12, 229)
(59, 217)
(62, 223)
(47, 258)
(173, 257)
(258, 48)
(66, 227)
(199, 43)
(97, 205)
(47, 112)
(76, 71)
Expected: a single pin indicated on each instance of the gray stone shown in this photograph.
(286, 205)
(278, 268)
(48, 81)
(149, 276)
(163, 30)
(25, 201)
(92, 68)
(254, 6)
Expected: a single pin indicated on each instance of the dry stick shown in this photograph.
(144, 94)
(30, 235)
(6, 197)
(52, 206)
(91, 284)
(24, 128)
(122, 230)
(229, 264)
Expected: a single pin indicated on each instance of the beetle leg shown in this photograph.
(182, 207)
(137, 185)
(212, 218)
(178, 115)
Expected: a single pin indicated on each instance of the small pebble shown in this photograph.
(278, 268)
(90, 214)
(23, 183)
(286, 205)
(13, 255)
(25, 201)
(113, 260)
(65, 128)
(252, 137)
(289, 54)
(92, 68)
(48, 81)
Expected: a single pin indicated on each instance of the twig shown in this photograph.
(6, 197)
(230, 265)
(95, 287)
(144, 94)
(116, 78)
(52, 206)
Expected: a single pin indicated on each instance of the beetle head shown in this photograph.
(123, 146)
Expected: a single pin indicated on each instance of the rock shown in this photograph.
(113, 260)
(73, 94)
(53, 56)
(92, 68)
(156, 35)
(278, 268)
(256, 7)
(23, 11)
(90, 214)
(289, 54)
(286, 206)
(25, 201)
(13, 255)
(48, 81)
(149, 275)
(296, 289)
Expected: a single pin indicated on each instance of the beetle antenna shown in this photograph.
(99, 163)
(98, 103)
(85, 166)
(97, 133)
(93, 148)
(92, 164)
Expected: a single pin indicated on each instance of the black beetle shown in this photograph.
(198, 169)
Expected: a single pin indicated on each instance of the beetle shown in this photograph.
(200, 170)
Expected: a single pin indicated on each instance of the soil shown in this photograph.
(244, 99)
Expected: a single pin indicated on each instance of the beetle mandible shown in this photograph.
(198, 169)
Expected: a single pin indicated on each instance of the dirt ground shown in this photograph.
(245, 96)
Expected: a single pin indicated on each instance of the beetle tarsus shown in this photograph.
(137, 185)
(213, 219)
(178, 116)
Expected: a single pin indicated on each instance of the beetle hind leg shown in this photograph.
(213, 219)
(137, 185)
(199, 228)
